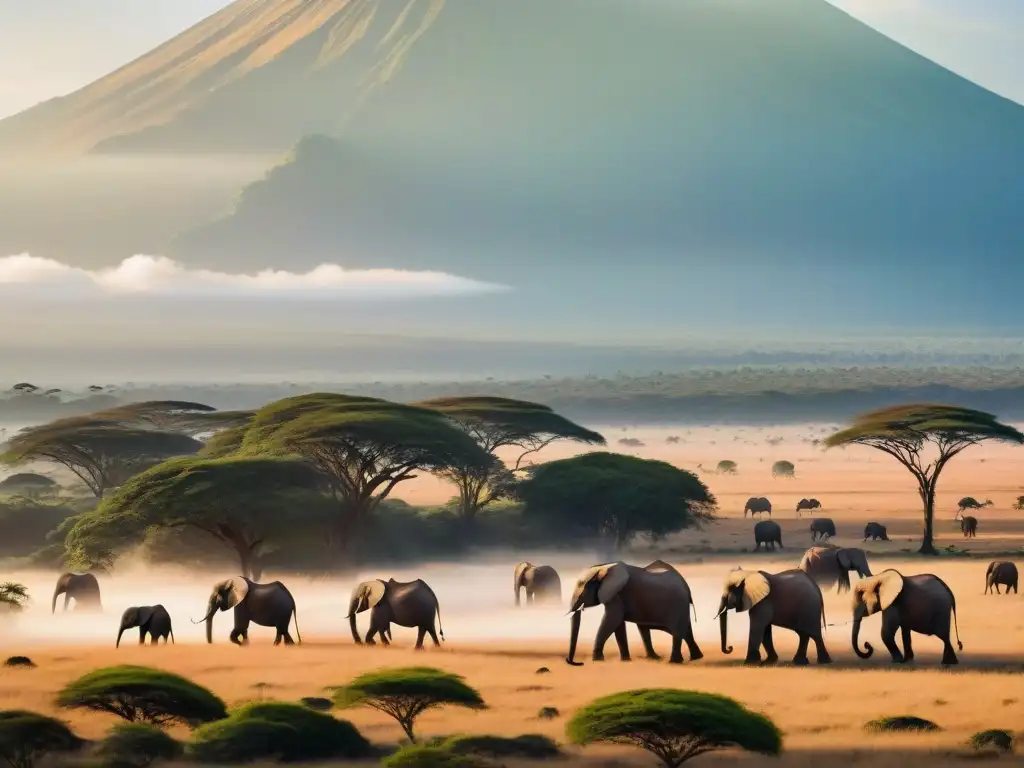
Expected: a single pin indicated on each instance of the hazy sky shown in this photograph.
(51, 47)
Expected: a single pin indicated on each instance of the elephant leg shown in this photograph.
(948, 654)
(370, 633)
(754, 639)
(433, 635)
(691, 644)
(420, 634)
(801, 650)
(286, 636)
(613, 616)
(891, 623)
(771, 657)
(385, 635)
(645, 636)
(908, 648)
(277, 637)
(820, 650)
(142, 636)
(996, 585)
(153, 639)
(622, 640)
(236, 636)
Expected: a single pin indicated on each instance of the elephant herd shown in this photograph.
(652, 597)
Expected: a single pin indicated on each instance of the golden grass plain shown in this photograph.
(498, 648)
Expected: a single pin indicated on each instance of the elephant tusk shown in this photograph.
(717, 615)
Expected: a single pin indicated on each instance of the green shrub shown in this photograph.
(425, 756)
(530, 746)
(143, 694)
(783, 469)
(994, 740)
(13, 596)
(278, 731)
(548, 713)
(318, 703)
(137, 745)
(904, 723)
(674, 725)
(406, 693)
(26, 736)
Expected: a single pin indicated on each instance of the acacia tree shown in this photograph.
(243, 503)
(923, 438)
(616, 496)
(364, 446)
(174, 416)
(497, 423)
(103, 453)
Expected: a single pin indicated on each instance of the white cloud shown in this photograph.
(160, 276)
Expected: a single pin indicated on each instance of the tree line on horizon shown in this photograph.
(316, 473)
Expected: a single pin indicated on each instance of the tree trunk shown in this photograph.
(927, 540)
(244, 560)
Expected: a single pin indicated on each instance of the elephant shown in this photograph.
(757, 505)
(875, 531)
(1001, 572)
(653, 597)
(969, 526)
(832, 565)
(83, 587)
(808, 504)
(767, 532)
(539, 581)
(823, 528)
(407, 604)
(921, 603)
(150, 619)
(268, 605)
(789, 599)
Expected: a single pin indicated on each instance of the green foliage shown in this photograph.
(277, 731)
(317, 703)
(29, 484)
(13, 596)
(901, 723)
(143, 694)
(783, 469)
(103, 453)
(426, 756)
(496, 423)
(616, 496)
(27, 736)
(906, 431)
(406, 693)
(238, 501)
(26, 525)
(136, 745)
(992, 740)
(727, 467)
(674, 725)
(183, 416)
(531, 746)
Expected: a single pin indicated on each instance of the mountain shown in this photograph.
(635, 163)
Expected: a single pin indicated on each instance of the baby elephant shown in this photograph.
(151, 619)
(875, 531)
(969, 526)
(1001, 572)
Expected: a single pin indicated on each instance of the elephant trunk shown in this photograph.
(211, 609)
(121, 632)
(858, 615)
(574, 636)
(56, 593)
(352, 625)
(723, 624)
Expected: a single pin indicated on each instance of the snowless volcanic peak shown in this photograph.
(288, 66)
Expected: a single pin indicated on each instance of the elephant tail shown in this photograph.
(173, 641)
(959, 645)
(295, 615)
(694, 606)
(440, 629)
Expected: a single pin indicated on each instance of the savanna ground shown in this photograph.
(499, 648)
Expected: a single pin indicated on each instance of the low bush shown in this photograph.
(427, 756)
(136, 745)
(901, 723)
(317, 703)
(992, 741)
(548, 713)
(277, 731)
(530, 746)
(143, 694)
(27, 736)
(19, 661)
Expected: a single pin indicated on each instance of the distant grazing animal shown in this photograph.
(969, 502)
(767, 532)
(808, 504)
(653, 597)
(1001, 572)
(407, 604)
(923, 603)
(832, 565)
(875, 531)
(790, 600)
(757, 505)
(83, 587)
(823, 528)
(1020, 503)
(969, 526)
(150, 619)
(541, 582)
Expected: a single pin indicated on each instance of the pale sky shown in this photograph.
(52, 47)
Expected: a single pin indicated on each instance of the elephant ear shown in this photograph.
(237, 590)
(375, 590)
(755, 589)
(890, 584)
(613, 578)
(144, 614)
(521, 569)
(845, 559)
